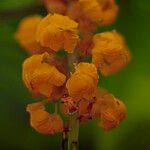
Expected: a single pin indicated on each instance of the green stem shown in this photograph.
(73, 119)
(73, 133)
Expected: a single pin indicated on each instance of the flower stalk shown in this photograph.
(73, 119)
(73, 132)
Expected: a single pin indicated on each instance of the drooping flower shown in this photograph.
(110, 53)
(40, 77)
(112, 114)
(26, 34)
(42, 121)
(109, 109)
(57, 32)
(83, 82)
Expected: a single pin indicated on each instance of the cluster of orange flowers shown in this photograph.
(69, 25)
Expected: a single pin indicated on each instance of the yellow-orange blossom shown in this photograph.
(56, 32)
(41, 77)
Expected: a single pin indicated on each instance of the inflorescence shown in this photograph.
(68, 81)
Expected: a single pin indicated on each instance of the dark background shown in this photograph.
(132, 85)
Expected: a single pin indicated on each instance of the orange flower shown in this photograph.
(110, 53)
(57, 31)
(91, 9)
(83, 82)
(40, 77)
(42, 121)
(26, 34)
(101, 11)
(111, 110)
(112, 113)
(109, 12)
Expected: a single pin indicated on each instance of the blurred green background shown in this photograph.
(132, 85)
